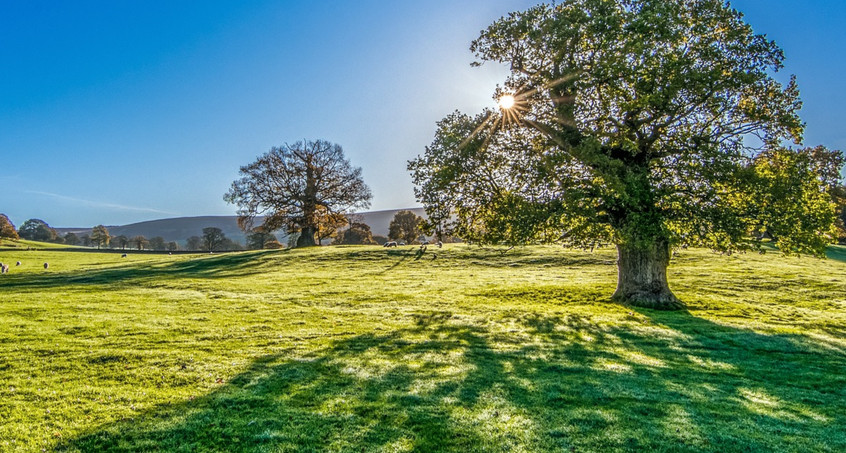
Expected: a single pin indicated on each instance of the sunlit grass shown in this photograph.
(369, 349)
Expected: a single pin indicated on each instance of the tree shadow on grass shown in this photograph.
(206, 266)
(560, 383)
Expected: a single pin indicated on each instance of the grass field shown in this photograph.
(368, 349)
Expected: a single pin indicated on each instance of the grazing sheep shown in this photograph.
(18, 263)
(46, 265)
(3, 268)
(390, 244)
(123, 256)
(440, 244)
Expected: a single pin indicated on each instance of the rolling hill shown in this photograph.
(181, 228)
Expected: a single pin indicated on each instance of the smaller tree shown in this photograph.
(172, 246)
(85, 240)
(71, 239)
(7, 229)
(405, 227)
(158, 243)
(140, 242)
(213, 238)
(259, 236)
(100, 236)
(229, 245)
(357, 233)
(121, 241)
(193, 243)
(37, 230)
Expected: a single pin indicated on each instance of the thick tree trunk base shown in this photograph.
(306, 238)
(642, 277)
(649, 299)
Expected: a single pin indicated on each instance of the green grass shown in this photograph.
(23, 244)
(368, 349)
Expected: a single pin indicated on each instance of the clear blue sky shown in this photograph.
(117, 112)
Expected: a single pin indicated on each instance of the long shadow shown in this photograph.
(207, 266)
(561, 384)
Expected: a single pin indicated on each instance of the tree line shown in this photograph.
(406, 226)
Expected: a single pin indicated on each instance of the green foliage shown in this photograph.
(358, 233)
(405, 226)
(72, 239)
(631, 124)
(37, 230)
(643, 123)
(322, 350)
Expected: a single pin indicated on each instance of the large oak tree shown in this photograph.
(296, 185)
(642, 123)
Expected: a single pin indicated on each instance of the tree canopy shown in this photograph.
(37, 230)
(357, 233)
(213, 238)
(405, 226)
(642, 123)
(295, 185)
(7, 228)
(100, 236)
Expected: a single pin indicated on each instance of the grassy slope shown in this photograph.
(367, 349)
(23, 244)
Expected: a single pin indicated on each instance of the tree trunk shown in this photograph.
(642, 276)
(306, 238)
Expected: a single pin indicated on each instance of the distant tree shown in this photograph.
(100, 236)
(229, 245)
(213, 239)
(172, 246)
(7, 228)
(329, 223)
(357, 233)
(139, 242)
(405, 226)
(37, 230)
(71, 238)
(121, 241)
(291, 183)
(381, 240)
(158, 243)
(85, 240)
(259, 236)
(193, 243)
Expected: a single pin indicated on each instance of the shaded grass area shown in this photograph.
(366, 349)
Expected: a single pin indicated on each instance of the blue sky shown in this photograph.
(117, 112)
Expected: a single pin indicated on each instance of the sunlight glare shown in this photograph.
(506, 102)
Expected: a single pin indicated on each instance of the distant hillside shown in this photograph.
(181, 228)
